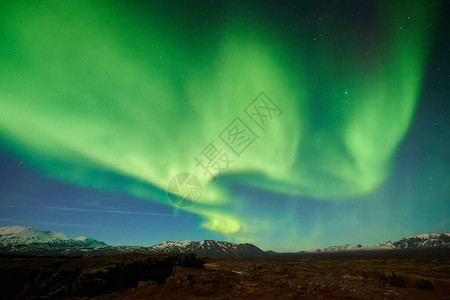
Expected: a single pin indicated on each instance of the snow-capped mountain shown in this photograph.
(15, 238)
(430, 240)
(209, 248)
(421, 241)
(18, 239)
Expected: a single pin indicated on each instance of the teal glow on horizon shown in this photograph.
(104, 96)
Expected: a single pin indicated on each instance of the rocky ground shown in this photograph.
(58, 277)
(381, 275)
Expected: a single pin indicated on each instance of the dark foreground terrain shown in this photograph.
(357, 275)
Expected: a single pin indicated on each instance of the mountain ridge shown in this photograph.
(16, 238)
(28, 240)
(420, 241)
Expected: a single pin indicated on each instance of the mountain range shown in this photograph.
(16, 238)
(421, 241)
(28, 240)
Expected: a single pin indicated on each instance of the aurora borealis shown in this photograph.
(104, 102)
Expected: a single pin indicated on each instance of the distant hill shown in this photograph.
(210, 248)
(28, 240)
(421, 241)
(18, 238)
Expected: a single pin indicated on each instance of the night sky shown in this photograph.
(299, 123)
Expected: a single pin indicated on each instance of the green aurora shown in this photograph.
(105, 96)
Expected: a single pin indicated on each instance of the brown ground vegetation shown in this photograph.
(380, 275)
